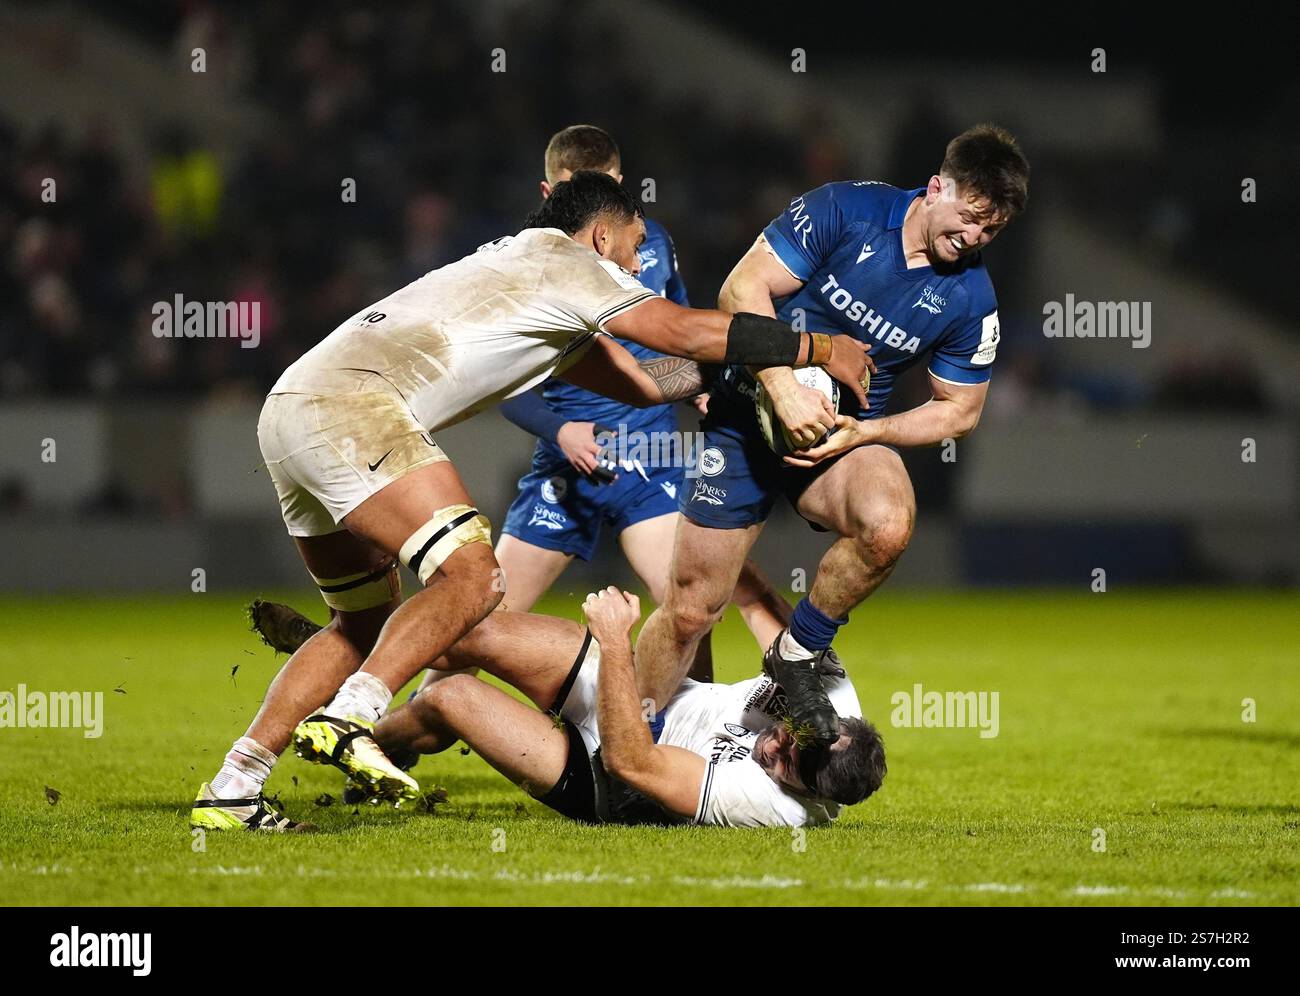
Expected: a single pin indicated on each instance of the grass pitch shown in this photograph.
(1120, 714)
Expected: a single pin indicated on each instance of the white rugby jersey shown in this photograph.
(720, 723)
(468, 335)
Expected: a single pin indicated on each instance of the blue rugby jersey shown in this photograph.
(844, 240)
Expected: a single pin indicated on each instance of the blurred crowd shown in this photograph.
(376, 96)
(379, 95)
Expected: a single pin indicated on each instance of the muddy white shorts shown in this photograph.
(326, 454)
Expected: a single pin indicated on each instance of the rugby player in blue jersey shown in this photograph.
(571, 494)
(903, 271)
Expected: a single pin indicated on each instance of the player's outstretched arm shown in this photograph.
(670, 776)
(751, 339)
(609, 369)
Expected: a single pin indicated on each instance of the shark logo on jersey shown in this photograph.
(931, 301)
(649, 259)
(867, 252)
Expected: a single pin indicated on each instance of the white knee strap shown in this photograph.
(449, 529)
(364, 590)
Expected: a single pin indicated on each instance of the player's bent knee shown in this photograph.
(446, 697)
(886, 535)
(690, 617)
(450, 529)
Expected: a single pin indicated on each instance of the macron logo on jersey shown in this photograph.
(866, 253)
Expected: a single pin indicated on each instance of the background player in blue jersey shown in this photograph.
(568, 497)
(903, 271)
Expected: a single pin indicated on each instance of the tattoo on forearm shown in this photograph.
(675, 377)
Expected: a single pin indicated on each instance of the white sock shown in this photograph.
(363, 696)
(244, 772)
(792, 650)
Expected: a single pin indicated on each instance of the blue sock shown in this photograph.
(811, 628)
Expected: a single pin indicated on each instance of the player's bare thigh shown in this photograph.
(523, 744)
(648, 547)
(530, 652)
(528, 571)
(706, 563)
(866, 490)
(390, 516)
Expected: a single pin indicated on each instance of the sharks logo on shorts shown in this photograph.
(708, 493)
(548, 518)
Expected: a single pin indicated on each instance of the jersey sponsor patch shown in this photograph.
(554, 489)
(712, 462)
(621, 276)
(989, 338)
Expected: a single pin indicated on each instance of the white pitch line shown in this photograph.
(597, 876)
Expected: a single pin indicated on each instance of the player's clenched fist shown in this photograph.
(611, 613)
(805, 412)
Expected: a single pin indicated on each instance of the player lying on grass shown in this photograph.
(721, 755)
(346, 434)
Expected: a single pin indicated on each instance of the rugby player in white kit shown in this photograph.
(362, 484)
(723, 755)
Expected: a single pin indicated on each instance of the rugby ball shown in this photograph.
(774, 433)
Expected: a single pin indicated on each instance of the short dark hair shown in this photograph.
(579, 147)
(987, 161)
(849, 774)
(577, 202)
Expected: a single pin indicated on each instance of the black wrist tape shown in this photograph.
(761, 342)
